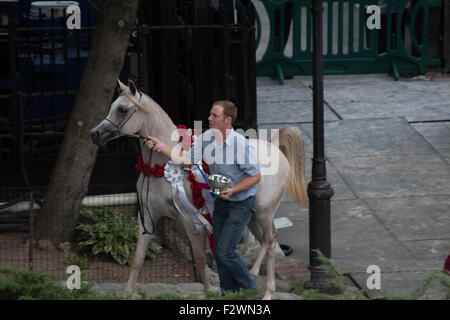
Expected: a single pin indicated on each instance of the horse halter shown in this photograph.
(125, 121)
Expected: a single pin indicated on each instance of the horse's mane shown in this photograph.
(158, 109)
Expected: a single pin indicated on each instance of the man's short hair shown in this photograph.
(229, 109)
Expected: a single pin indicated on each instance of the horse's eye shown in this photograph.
(122, 110)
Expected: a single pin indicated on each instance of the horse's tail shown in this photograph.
(290, 142)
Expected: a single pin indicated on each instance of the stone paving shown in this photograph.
(191, 289)
(388, 150)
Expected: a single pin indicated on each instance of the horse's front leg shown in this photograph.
(138, 260)
(270, 281)
(198, 252)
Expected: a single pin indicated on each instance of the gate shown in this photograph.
(284, 38)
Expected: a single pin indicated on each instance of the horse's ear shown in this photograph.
(121, 85)
(132, 87)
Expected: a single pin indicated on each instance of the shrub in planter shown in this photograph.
(107, 231)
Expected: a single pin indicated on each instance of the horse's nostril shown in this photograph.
(95, 135)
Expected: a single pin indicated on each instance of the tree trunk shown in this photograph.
(76, 158)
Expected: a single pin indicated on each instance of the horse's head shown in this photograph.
(124, 117)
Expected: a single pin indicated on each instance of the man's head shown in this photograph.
(222, 115)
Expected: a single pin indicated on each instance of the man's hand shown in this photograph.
(226, 193)
(152, 143)
(157, 145)
(244, 184)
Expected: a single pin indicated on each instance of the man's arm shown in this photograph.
(244, 184)
(251, 169)
(168, 151)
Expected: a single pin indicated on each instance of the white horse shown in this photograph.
(134, 113)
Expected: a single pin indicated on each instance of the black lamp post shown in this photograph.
(319, 190)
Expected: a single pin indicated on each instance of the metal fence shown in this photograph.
(21, 248)
(401, 46)
(46, 63)
(184, 54)
(196, 54)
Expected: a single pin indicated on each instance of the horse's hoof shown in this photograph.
(254, 274)
(267, 296)
(127, 293)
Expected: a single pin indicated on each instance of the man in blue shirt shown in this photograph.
(227, 153)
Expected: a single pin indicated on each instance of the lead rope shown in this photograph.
(149, 165)
(141, 207)
(140, 204)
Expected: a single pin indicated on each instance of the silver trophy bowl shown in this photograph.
(218, 182)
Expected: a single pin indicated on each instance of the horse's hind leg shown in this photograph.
(270, 281)
(198, 253)
(254, 271)
(264, 230)
(254, 228)
(138, 261)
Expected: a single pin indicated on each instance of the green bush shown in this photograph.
(106, 231)
(27, 285)
(74, 259)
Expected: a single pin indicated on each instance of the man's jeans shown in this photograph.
(230, 219)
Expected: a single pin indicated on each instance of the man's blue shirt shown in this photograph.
(235, 158)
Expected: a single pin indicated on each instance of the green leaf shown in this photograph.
(126, 251)
(97, 249)
(107, 248)
(118, 258)
(109, 239)
(150, 255)
(154, 246)
(87, 242)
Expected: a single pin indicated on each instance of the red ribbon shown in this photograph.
(196, 188)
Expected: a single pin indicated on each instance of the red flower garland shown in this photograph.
(156, 171)
(183, 131)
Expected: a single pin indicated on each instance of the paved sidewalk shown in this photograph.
(388, 149)
(189, 289)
